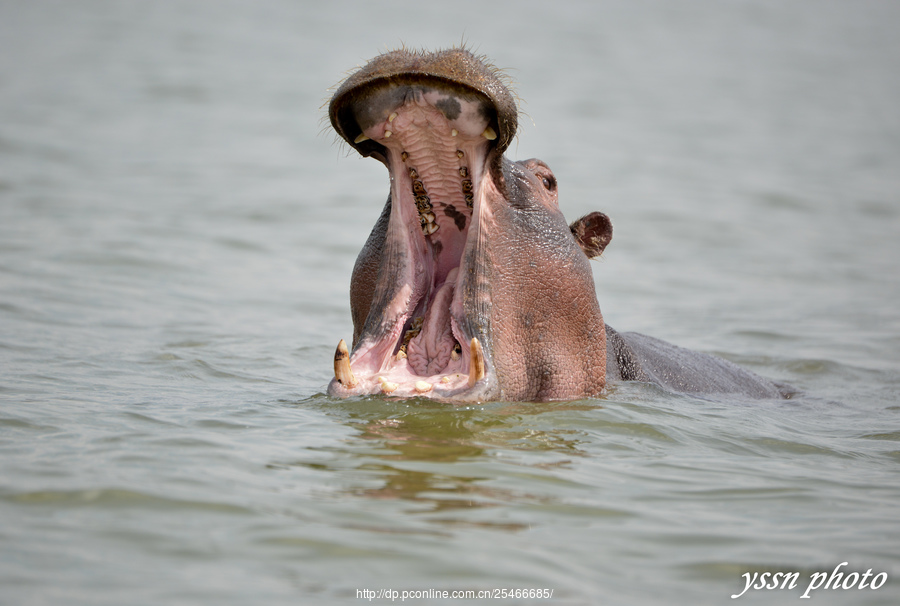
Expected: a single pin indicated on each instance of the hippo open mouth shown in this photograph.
(447, 293)
(434, 135)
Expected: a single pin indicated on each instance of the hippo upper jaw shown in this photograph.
(351, 109)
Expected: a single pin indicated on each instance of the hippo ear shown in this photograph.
(593, 233)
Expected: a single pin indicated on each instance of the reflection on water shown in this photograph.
(416, 449)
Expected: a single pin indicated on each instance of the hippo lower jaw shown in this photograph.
(397, 379)
(435, 138)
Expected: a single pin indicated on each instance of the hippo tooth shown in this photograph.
(454, 132)
(391, 117)
(387, 386)
(476, 362)
(342, 371)
(362, 137)
(445, 379)
(388, 133)
(489, 134)
(430, 228)
(400, 355)
(429, 217)
(423, 386)
(454, 355)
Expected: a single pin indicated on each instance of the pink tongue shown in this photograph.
(429, 352)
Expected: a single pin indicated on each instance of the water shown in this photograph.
(177, 231)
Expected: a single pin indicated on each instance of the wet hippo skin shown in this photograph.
(472, 286)
(632, 356)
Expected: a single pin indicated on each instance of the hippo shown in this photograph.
(471, 286)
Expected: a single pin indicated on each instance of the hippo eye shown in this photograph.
(549, 182)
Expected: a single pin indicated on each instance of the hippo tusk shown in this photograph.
(489, 134)
(362, 137)
(342, 371)
(476, 362)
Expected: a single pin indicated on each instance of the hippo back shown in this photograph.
(632, 356)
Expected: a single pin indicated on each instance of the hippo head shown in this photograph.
(471, 286)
